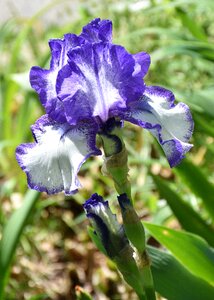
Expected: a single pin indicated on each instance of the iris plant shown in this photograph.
(91, 81)
(91, 88)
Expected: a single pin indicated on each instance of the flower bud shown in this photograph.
(112, 236)
(109, 231)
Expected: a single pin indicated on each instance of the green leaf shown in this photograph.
(174, 282)
(82, 294)
(96, 240)
(203, 123)
(204, 99)
(194, 27)
(198, 183)
(191, 250)
(11, 235)
(188, 218)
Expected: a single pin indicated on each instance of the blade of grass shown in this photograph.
(198, 183)
(195, 29)
(188, 218)
(11, 235)
(190, 250)
(173, 281)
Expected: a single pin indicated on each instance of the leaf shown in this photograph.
(82, 294)
(196, 30)
(173, 281)
(198, 183)
(191, 250)
(188, 218)
(204, 99)
(11, 235)
(96, 240)
(204, 124)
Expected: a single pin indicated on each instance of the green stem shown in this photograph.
(116, 166)
(146, 276)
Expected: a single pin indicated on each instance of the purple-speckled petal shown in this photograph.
(60, 47)
(99, 79)
(44, 81)
(53, 161)
(143, 61)
(97, 30)
(171, 124)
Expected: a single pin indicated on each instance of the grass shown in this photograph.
(179, 36)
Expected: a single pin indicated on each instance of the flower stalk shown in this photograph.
(136, 234)
(115, 166)
(116, 158)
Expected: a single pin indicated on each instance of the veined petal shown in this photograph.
(171, 124)
(53, 161)
(44, 81)
(142, 64)
(99, 80)
(60, 47)
(97, 30)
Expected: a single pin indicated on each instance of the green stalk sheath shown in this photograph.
(146, 276)
(116, 166)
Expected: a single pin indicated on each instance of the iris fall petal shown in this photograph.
(53, 161)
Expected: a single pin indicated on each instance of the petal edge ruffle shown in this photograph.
(171, 124)
(53, 161)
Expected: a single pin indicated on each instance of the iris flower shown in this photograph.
(107, 228)
(90, 81)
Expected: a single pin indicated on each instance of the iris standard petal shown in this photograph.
(44, 81)
(53, 161)
(98, 80)
(142, 64)
(97, 30)
(171, 124)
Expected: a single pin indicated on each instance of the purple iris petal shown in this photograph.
(143, 61)
(90, 81)
(97, 30)
(44, 81)
(171, 124)
(53, 161)
(99, 79)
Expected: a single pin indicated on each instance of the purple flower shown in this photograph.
(90, 81)
(109, 231)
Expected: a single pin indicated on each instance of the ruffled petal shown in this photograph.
(60, 47)
(171, 124)
(97, 30)
(98, 80)
(142, 64)
(44, 81)
(53, 161)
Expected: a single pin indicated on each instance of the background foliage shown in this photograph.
(54, 253)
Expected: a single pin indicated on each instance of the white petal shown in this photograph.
(171, 124)
(52, 163)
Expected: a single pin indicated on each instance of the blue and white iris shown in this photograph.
(90, 81)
